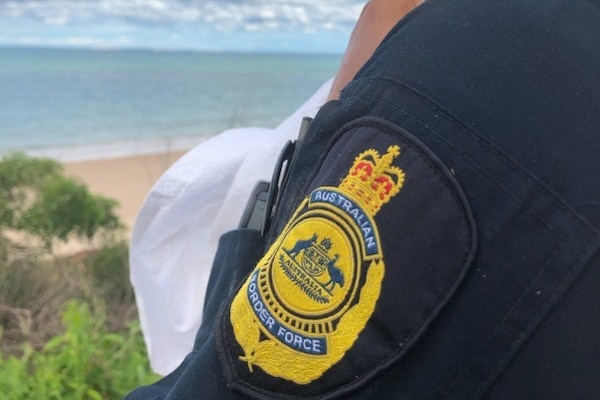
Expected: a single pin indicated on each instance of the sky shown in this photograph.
(306, 26)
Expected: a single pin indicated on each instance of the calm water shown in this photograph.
(67, 98)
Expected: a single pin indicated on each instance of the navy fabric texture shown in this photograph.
(237, 253)
(506, 95)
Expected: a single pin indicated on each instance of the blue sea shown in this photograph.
(87, 103)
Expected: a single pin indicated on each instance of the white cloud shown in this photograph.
(90, 41)
(69, 41)
(258, 15)
(186, 24)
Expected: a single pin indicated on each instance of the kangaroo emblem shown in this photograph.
(302, 245)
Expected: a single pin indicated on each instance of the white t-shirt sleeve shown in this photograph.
(176, 232)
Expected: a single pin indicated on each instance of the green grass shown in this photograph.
(87, 361)
(68, 325)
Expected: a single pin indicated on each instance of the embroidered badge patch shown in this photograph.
(380, 241)
(314, 291)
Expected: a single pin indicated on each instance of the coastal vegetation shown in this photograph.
(68, 323)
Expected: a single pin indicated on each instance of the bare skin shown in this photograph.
(378, 17)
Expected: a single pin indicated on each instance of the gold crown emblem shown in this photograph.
(373, 179)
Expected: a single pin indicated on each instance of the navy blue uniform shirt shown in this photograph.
(437, 237)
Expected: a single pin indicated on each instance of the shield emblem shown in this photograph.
(314, 261)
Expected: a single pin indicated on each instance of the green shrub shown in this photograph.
(38, 199)
(86, 362)
(110, 272)
(56, 339)
(40, 205)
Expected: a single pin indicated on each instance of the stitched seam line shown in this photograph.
(556, 294)
(485, 343)
(537, 188)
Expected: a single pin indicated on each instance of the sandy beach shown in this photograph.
(125, 179)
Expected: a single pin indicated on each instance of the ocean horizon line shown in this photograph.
(79, 105)
(166, 50)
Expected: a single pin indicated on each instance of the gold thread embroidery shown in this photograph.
(317, 286)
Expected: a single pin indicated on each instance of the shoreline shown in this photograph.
(124, 171)
(117, 149)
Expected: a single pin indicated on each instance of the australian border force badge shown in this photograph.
(311, 295)
(362, 267)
